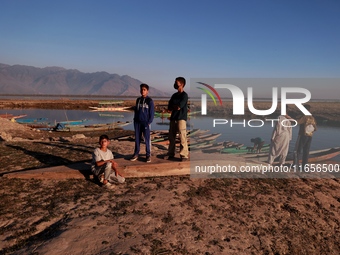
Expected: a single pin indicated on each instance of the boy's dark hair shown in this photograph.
(143, 85)
(181, 80)
(102, 137)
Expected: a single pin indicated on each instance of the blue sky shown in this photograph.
(156, 41)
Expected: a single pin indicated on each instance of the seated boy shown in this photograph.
(103, 166)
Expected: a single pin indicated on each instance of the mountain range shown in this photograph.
(21, 79)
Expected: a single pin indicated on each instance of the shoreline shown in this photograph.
(324, 112)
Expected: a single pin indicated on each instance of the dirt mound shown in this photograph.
(11, 130)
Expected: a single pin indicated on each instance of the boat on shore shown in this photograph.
(110, 109)
(206, 137)
(314, 156)
(217, 147)
(92, 127)
(73, 122)
(111, 115)
(243, 149)
(168, 114)
(32, 121)
(205, 145)
(110, 106)
(323, 155)
(163, 137)
(11, 116)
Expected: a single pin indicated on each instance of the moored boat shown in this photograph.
(243, 149)
(31, 121)
(110, 106)
(314, 156)
(168, 114)
(217, 147)
(163, 137)
(73, 122)
(323, 155)
(93, 127)
(11, 116)
(109, 109)
(206, 145)
(206, 137)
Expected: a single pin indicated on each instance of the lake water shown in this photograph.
(324, 137)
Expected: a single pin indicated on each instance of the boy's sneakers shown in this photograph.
(116, 179)
(134, 158)
(101, 178)
(108, 185)
(148, 159)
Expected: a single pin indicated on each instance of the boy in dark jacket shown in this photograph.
(144, 113)
(178, 105)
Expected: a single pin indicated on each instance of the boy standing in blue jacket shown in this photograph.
(144, 113)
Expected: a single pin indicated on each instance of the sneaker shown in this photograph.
(134, 158)
(108, 185)
(114, 179)
(148, 159)
(101, 178)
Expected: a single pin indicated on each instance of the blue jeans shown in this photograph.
(142, 129)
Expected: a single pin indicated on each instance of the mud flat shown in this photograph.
(157, 215)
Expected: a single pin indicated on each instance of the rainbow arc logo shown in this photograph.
(209, 93)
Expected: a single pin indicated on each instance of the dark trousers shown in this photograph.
(302, 147)
(142, 129)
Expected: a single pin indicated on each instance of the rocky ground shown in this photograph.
(163, 215)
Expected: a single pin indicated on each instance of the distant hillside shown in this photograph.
(20, 79)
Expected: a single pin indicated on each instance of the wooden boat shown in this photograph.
(323, 155)
(125, 138)
(110, 106)
(18, 116)
(43, 126)
(154, 135)
(32, 121)
(227, 144)
(65, 125)
(11, 116)
(110, 102)
(168, 114)
(195, 131)
(200, 144)
(217, 147)
(242, 149)
(206, 137)
(168, 124)
(314, 156)
(6, 116)
(73, 122)
(110, 109)
(206, 146)
(111, 115)
(93, 127)
(163, 138)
